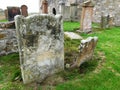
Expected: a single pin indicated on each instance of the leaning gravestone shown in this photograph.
(41, 48)
(86, 50)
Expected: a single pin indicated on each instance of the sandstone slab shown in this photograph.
(41, 48)
(86, 50)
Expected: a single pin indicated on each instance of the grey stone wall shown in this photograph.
(8, 41)
(41, 48)
(107, 7)
(69, 12)
(102, 7)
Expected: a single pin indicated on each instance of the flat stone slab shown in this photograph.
(72, 35)
(41, 48)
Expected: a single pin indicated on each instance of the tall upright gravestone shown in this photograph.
(24, 11)
(86, 17)
(45, 7)
(41, 49)
(73, 11)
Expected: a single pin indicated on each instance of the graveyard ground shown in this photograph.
(101, 73)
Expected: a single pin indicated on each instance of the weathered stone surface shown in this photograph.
(8, 41)
(8, 25)
(86, 17)
(72, 35)
(104, 22)
(41, 48)
(107, 7)
(67, 8)
(86, 50)
(44, 6)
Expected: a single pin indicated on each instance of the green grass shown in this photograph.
(71, 26)
(3, 20)
(101, 73)
(107, 76)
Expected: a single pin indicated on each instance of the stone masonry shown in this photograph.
(41, 48)
(105, 8)
(8, 41)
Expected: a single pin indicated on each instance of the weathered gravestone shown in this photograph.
(73, 11)
(86, 17)
(24, 11)
(86, 50)
(107, 21)
(41, 49)
(12, 12)
(45, 6)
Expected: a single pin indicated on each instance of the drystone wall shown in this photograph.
(8, 41)
(41, 48)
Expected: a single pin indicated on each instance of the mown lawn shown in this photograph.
(3, 20)
(101, 73)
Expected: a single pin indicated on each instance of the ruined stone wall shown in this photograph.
(107, 7)
(8, 41)
(69, 11)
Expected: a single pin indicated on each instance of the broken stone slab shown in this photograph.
(41, 48)
(86, 51)
(73, 35)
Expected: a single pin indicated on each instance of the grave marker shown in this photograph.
(24, 11)
(86, 50)
(12, 12)
(86, 17)
(41, 48)
(45, 6)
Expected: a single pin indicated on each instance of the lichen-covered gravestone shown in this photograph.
(86, 17)
(86, 50)
(41, 48)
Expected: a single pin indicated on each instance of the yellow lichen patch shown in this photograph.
(45, 56)
(2, 36)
